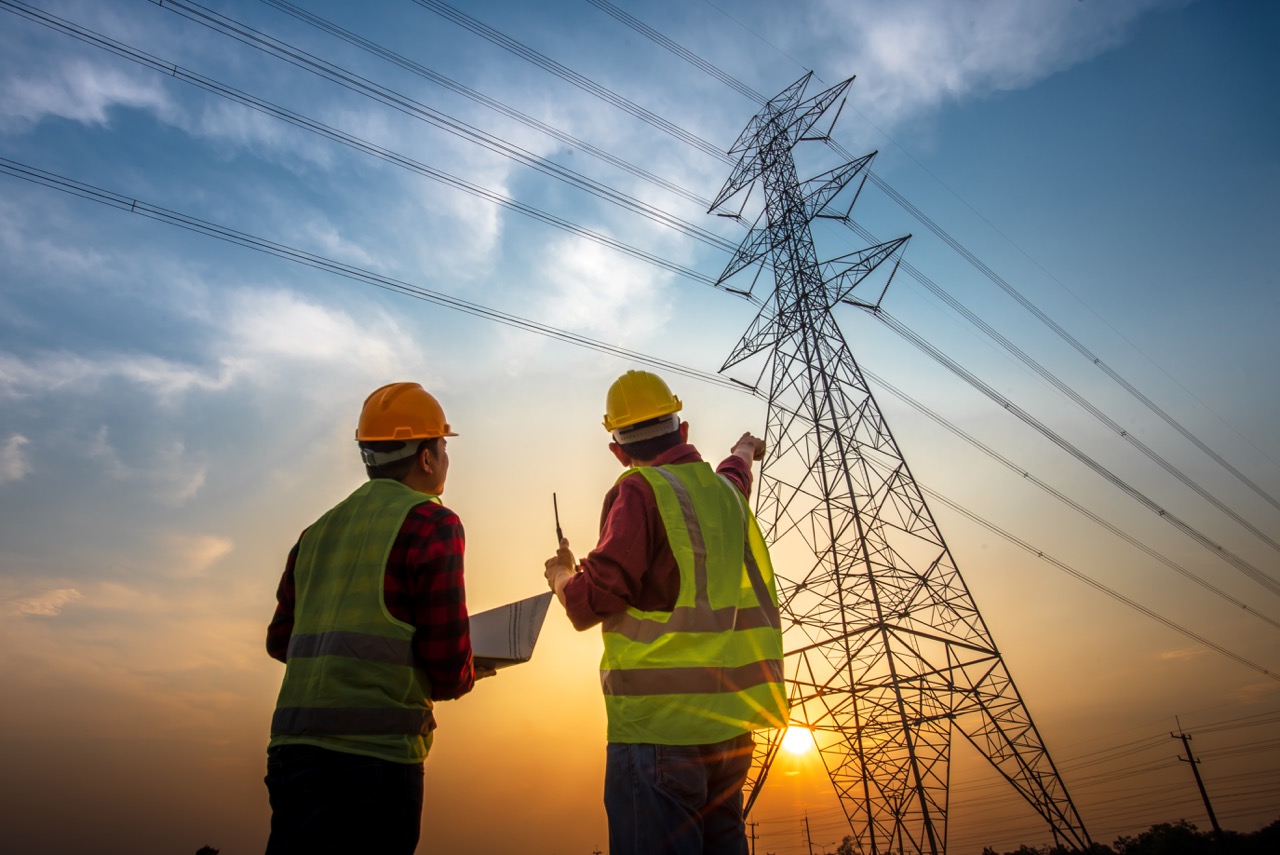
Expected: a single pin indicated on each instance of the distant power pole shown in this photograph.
(1195, 770)
(808, 838)
(887, 655)
(753, 825)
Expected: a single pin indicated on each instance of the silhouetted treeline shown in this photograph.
(1178, 838)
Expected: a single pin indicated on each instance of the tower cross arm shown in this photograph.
(843, 274)
(821, 189)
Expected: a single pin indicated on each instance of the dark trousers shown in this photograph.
(330, 802)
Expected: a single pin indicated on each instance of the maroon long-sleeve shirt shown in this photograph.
(633, 565)
(423, 586)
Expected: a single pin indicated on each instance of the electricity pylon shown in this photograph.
(887, 655)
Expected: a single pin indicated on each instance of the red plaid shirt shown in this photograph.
(422, 586)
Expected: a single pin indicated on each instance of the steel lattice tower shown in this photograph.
(887, 655)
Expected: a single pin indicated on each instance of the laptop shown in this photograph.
(505, 636)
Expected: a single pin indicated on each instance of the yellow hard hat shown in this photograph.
(638, 396)
(401, 411)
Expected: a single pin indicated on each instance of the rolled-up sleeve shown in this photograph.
(429, 550)
(280, 630)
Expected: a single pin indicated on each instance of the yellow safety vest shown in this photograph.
(711, 668)
(350, 683)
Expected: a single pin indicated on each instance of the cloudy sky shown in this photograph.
(175, 407)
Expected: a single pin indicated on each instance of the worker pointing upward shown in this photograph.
(682, 584)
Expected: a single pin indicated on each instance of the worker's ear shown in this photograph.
(684, 431)
(623, 457)
(426, 459)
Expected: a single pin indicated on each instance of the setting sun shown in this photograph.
(798, 740)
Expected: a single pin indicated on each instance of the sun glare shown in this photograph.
(798, 740)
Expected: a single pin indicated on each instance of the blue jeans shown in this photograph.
(677, 799)
(331, 802)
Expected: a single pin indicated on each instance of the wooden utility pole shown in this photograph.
(753, 825)
(807, 837)
(1195, 769)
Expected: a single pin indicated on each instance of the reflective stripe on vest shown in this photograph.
(350, 681)
(701, 680)
(711, 668)
(337, 721)
(358, 645)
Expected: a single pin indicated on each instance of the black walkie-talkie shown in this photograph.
(559, 533)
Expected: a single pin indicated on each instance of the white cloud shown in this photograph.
(593, 288)
(910, 57)
(79, 91)
(45, 604)
(589, 288)
(58, 370)
(192, 556)
(14, 464)
(257, 333)
(264, 328)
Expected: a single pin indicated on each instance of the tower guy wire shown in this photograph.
(888, 657)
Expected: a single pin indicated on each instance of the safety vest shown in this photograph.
(350, 683)
(711, 668)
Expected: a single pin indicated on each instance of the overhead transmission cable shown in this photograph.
(221, 24)
(119, 201)
(133, 205)
(361, 85)
(584, 83)
(480, 98)
(188, 223)
(1066, 336)
(947, 362)
(306, 123)
(556, 68)
(1095, 584)
(1093, 516)
(740, 87)
(1080, 401)
(302, 121)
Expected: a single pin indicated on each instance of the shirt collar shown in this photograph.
(682, 453)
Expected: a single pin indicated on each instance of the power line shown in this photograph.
(1080, 401)
(136, 206)
(1079, 347)
(1231, 558)
(1005, 286)
(584, 83)
(217, 88)
(306, 123)
(133, 205)
(560, 70)
(363, 86)
(480, 98)
(1093, 516)
(1096, 585)
(933, 287)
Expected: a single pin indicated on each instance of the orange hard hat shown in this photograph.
(401, 411)
(638, 396)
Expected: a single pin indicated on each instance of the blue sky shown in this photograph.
(174, 409)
